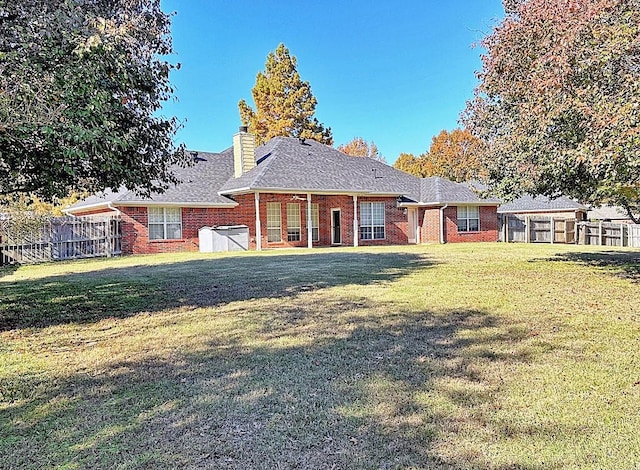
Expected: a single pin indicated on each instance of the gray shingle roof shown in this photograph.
(437, 190)
(287, 164)
(199, 185)
(541, 204)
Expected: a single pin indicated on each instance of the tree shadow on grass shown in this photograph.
(122, 292)
(624, 264)
(338, 388)
(8, 269)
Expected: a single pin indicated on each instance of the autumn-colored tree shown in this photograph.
(558, 101)
(284, 103)
(408, 163)
(454, 155)
(359, 147)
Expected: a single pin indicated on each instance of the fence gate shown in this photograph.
(61, 238)
(516, 229)
(540, 230)
(537, 229)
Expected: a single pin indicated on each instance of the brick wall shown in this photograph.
(396, 222)
(488, 226)
(429, 221)
(136, 233)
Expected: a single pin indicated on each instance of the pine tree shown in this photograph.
(285, 105)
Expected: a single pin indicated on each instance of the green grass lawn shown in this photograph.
(479, 356)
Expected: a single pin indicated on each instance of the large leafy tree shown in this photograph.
(81, 82)
(285, 105)
(408, 163)
(455, 155)
(559, 101)
(359, 147)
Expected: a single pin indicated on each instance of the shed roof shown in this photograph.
(529, 203)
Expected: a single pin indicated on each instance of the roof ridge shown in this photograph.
(267, 161)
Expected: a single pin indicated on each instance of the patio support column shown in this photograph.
(258, 228)
(309, 222)
(355, 220)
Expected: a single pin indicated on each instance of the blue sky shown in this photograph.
(393, 72)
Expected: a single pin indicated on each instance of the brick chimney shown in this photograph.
(244, 152)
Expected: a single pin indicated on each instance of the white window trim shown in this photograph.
(164, 222)
(273, 224)
(373, 226)
(315, 222)
(467, 218)
(294, 230)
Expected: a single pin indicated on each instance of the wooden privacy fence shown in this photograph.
(609, 234)
(634, 235)
(539, 229)
(60, 238)
(536, 229)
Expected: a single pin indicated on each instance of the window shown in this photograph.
(274, 222)
(372, 220)
(315, 222)
(165, 223)
(293, 222)
(468, 219)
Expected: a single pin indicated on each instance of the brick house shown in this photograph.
(297, 193)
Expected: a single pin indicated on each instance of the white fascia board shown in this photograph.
(88, 207)
(457, 203)
(237, 191)
(328, 192)
(176, 204)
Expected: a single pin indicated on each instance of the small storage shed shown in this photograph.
(223, 238)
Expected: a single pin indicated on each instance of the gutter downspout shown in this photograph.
(442, 226)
